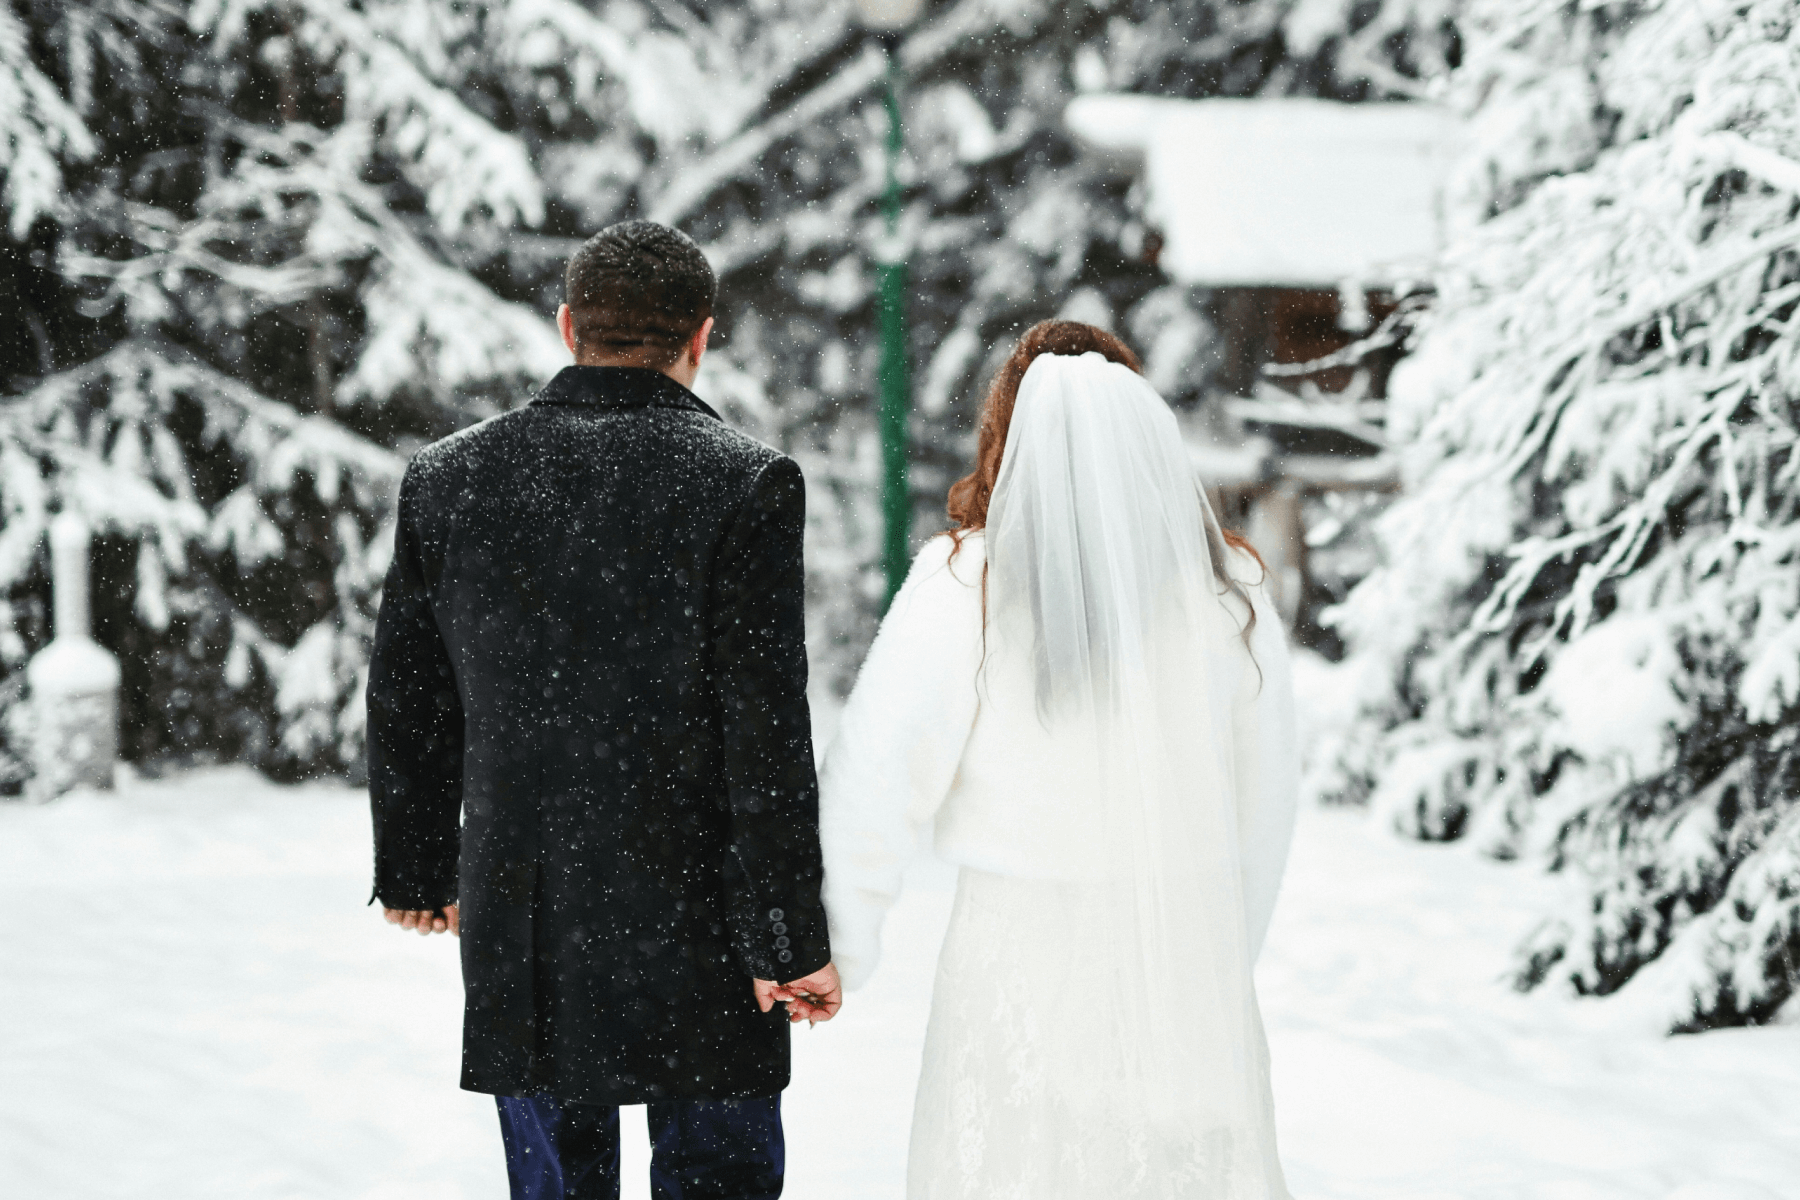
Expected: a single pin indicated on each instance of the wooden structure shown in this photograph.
(1302, 219)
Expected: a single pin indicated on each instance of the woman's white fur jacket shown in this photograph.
(924, 744)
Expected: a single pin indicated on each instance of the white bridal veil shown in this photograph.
(1101, 550)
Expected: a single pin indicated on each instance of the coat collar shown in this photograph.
(619, 389)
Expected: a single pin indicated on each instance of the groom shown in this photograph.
(589, 748)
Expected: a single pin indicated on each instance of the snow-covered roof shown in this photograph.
(1294, 192)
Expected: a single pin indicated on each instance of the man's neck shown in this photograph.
(682, 370)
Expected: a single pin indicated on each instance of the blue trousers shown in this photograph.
(700, 1149)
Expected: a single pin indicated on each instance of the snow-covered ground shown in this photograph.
(194, 1004)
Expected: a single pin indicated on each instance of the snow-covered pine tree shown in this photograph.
(1583, 646)
(229, 228)
(243, 227)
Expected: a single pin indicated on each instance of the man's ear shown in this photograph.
(565, 325)
(696, 347)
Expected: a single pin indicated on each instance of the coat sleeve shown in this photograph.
(1266, 758)
(415, 736)
(899, 742)
(773, 870)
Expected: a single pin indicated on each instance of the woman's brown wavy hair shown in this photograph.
(969, 496)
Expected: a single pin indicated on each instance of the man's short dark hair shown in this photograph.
(639, 289)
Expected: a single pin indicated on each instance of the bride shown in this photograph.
(1083, 690)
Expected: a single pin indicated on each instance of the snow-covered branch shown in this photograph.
(38, 130)
(696, 182)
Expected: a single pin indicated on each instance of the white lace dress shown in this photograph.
(1027, 1087)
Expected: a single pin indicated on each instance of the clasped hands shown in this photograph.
(812, 999)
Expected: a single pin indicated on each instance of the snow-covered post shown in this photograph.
(74, 680)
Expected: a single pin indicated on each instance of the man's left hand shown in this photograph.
(813, 999)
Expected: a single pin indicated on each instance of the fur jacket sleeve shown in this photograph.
(898, 743)
(1265, 756)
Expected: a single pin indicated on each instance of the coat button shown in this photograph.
(775, 914)
(786, 956)
(782, 943)
(780, 928)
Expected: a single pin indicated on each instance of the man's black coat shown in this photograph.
(591, 645)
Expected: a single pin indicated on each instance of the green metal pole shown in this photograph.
(896, 387)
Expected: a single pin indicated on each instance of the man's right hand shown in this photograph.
(429, 920)
(812, 999)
